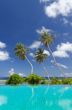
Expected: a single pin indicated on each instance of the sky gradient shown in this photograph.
(19, 22)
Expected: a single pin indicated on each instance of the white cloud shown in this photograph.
(59, 7)
(65, 47)
(46, 52)
(61, 54)
(35, 45)
(31, 54)
(60, 65)
(63, 50)
(4, 55)
(2, 45)
(42, 30)
(20, 74)
(11, 71)
(44, 1)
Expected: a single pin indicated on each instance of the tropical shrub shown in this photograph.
(56, 81)
(67, 80)
(44, 81)
(34, 79)
(15, 79)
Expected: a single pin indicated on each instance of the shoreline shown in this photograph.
(2, 81)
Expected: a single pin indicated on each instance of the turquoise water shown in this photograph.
(36, 98)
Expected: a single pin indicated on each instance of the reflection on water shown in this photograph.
(36, 98)
(65, 104)
(3, 100)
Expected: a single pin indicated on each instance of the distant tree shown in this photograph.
(55, 81)
(67, 81)
(21, 51)
(15, 79)
(40, 56)
(34, 79)
(47, 39)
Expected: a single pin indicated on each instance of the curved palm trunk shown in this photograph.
(60, 69)
(30, 64)
(46, 72)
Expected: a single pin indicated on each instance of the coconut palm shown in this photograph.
(21, 51)
(47, 39)
(40, 56)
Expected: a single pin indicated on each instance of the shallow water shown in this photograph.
(36, 98)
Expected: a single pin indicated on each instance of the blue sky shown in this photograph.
(19, 22)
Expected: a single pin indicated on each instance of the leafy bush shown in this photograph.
(34, 79)
(44, 81)
(55, 81)
(67, 81)
(15, 79)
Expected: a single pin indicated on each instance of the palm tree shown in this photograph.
(40, 56)
(47, 39)
(21, 52)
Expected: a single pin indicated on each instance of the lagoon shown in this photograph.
(42, 97)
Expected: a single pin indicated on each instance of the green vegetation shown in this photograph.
(39, 55)
(59, 81)
(55, 81)
(15, 79)
(34, 79)
(47, 39)
(21, 52)
(67, 81)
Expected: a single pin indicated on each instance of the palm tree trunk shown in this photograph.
(30, 64)
(60, 69)
(46, 72)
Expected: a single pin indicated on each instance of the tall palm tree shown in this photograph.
(40, 56)
(21, 51)
(47, 39)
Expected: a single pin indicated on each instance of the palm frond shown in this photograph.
(21, 51)
(46, 39)
(40, 56)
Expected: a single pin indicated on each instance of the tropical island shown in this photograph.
(35, 54)
(34, 79)
(21, 51)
